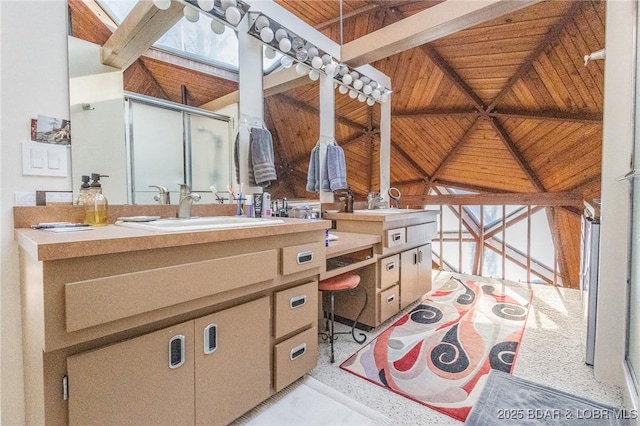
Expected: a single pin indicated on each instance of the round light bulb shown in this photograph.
(205, 5)
(266, 34)
(269, 52)
(376, 94)
(233, 15)
(313, 51)
(226, 4)
(353, 94)
(217, 26)
(162, 4)
(355, 75)
(370, 101)
(362, 97)
(301, 54)
(326, 58)
(297, 44)
(357, 84)
(316, 62)
(346, 79)
(301, 69)
(343, 89)
(367, 89)
(280, 34)
(343, 69)
(286, 62)
(314, 75)
(330, 69)
(285, 45)
(384, 97)
(365, 79)
(191, 14)
(261, 22)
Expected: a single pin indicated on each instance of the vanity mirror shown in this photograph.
(136, 136)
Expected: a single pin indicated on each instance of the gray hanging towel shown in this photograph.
(261, 157)
(336, 168)
(314, 169)
(236, 157)
(326, 186)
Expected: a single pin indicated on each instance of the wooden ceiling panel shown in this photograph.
(568, 233)
(86, 25)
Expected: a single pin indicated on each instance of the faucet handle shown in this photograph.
(184, 189)
(163, 196)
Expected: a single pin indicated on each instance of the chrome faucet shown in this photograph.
(186, 200)
(372, 199)
(163, 196)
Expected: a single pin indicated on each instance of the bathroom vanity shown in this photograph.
(124, 325)
(402, 270)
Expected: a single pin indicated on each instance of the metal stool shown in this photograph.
(346, 281)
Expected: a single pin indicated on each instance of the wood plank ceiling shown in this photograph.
(507, 106)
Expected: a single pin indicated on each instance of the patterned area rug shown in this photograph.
(440, 353)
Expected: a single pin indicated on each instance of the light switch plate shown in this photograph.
(45, 159)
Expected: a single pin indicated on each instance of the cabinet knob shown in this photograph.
(210, 339)
(176, 351)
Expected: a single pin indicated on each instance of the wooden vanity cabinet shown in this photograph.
(189, 334)
(415, 274)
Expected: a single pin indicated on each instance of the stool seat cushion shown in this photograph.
(344, 281)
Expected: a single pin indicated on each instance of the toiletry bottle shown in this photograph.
(266, 204)
(81, 199)
(248, 206)
(96, 205)
(348, 201)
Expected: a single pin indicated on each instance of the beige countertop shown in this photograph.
(380, 216)
(348, 242)
(46, 245)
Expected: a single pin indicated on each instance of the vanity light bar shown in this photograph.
(228, 12)
(312, 60)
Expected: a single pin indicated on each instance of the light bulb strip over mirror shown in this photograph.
(223, 12)
(312, 60)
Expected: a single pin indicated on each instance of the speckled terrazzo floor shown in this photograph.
(551, 353)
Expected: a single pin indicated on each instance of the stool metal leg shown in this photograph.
(363, 336)
(332, 336)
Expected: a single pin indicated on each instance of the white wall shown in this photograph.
(33, 80)
(616, 154)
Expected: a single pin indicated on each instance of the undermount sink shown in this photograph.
(199, 223)
(385, 211)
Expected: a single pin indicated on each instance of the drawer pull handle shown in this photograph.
(391, 298)
(391, 266)
(305, 257)
(298, 301)
(420, 256)
(176, 351)
(396, 236)
(210, 339)
(298, 351)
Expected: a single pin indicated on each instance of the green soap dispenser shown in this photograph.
(81, 199)
(96, 205)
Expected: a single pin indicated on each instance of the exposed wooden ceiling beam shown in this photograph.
(552, 35)
(430, 24)
(583, 117)
(572, 199)
(305, 107)
(411, 161)
(434, 113)
(453, 152)
(190, 64)
(517, 155)
(142, 27)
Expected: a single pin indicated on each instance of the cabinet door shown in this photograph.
(409, 291)
(145, 380)
(424, 269)
(232, 360)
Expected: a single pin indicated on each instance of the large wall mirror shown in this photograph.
(145, 125)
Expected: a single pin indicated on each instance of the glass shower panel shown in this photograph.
(210, 154)
(157, 156)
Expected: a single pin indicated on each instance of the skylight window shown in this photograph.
(193, 40)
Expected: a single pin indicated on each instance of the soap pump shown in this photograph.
(348, 201)
(96, 205)
(81, 199)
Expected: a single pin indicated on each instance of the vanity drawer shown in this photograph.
(389, 270)
(101, 300)
(424, 232)
(302, 257)
(294, 357)
(295, 308)
(395, 237)
(389, 302)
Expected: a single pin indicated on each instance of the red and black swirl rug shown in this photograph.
(440, 353)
